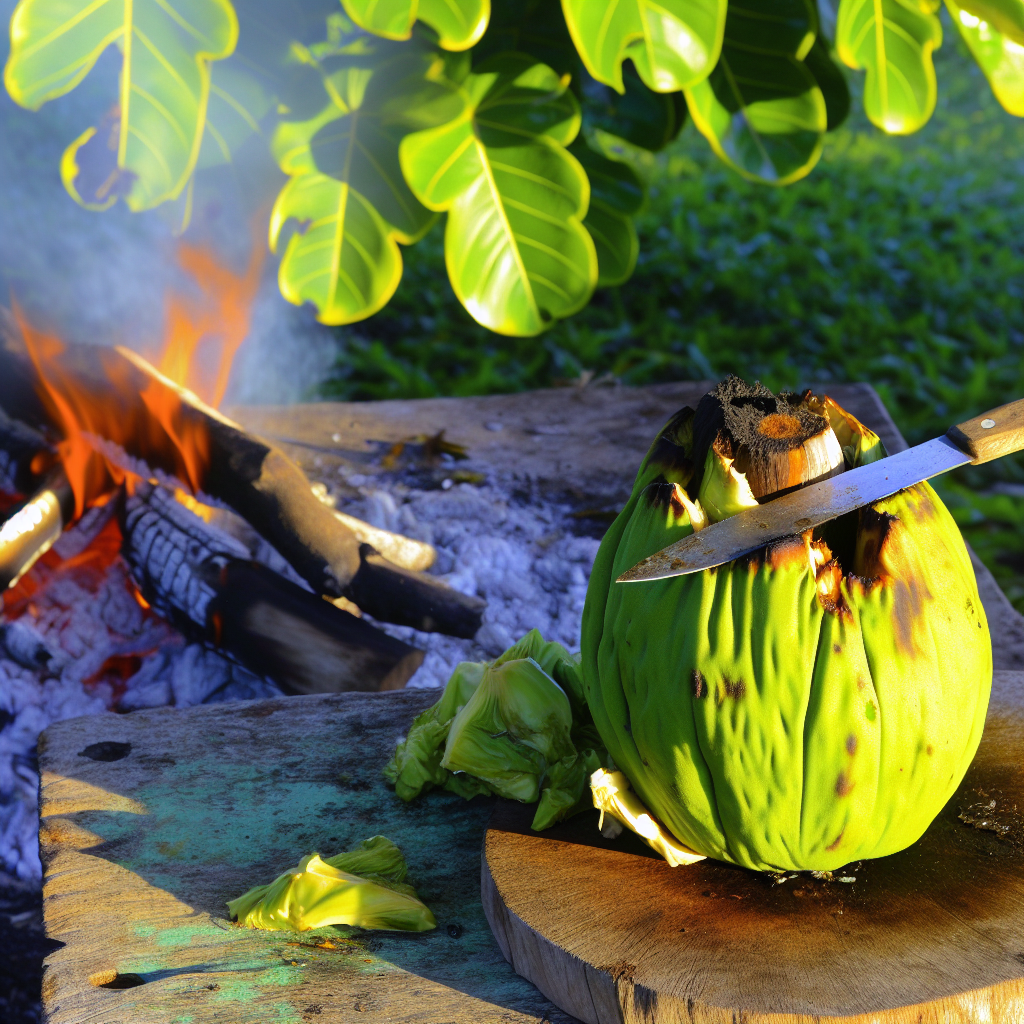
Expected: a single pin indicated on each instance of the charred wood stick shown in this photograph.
(23, 452)
(204, 583)
(123, 399)
(409, 598)
(32, 528)
(405, 552)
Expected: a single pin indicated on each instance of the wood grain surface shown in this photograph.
(934, 934)
(141, 853)
(992, 434)
(584, 444)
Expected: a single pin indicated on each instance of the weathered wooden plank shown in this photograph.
(584, 443)
(141, 853)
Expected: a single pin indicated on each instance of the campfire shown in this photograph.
(154, 552)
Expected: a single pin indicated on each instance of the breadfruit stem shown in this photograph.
(777, 443)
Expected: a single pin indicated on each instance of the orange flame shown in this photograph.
(145, 415)
(89, 473)
(223, 316)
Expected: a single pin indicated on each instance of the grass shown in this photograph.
(899, 261)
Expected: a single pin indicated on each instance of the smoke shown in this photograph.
(103, 278)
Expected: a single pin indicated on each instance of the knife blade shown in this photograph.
(985, 437)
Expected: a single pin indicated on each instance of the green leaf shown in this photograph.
(535, 27)
(831, 81)
(346, 262)
(362, 146)
(616, 195)
(612, 183)
(1000, 56)
(154, 136)
(347, 181)
(1003, 16)
(237, 104)
(893, 41)
(616, 242)
(787, 27)
(673, 43)
(517, 253)
(459, 24)
(762, 110)
(639, 115)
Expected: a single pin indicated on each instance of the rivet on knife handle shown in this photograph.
(991, 434)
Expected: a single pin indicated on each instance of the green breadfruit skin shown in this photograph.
(365, 887)
(377, 856)
(415, 766)
(517, 727)
(516, 723)
(782, 716)
(566, 789)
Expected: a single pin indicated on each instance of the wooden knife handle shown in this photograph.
(991, 434)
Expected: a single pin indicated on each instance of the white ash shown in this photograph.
(51, 661)
(523, 558)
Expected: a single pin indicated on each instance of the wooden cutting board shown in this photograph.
(611, 934)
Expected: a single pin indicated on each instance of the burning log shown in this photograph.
(30, 531)
(117, 396)
(203, 581)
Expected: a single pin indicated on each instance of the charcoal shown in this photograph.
(204, 581)
(24, 646)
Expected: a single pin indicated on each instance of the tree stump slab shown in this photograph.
(933, 935)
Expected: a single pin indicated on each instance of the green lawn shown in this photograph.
(899, 261)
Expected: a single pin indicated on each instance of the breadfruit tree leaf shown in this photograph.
(761, 109)
(346, 262)
(673, 43)
(998, 55)
(639, 115)
(786, 27)
(150, 142)
(615, 242)
(237, 104)
(616, 195)
(347, 182)
(459, 24)
(893, 41)
(831, 81)
(1003, 16)
(536, 27)
(517, 253)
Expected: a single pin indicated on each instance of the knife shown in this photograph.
(975, 441)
